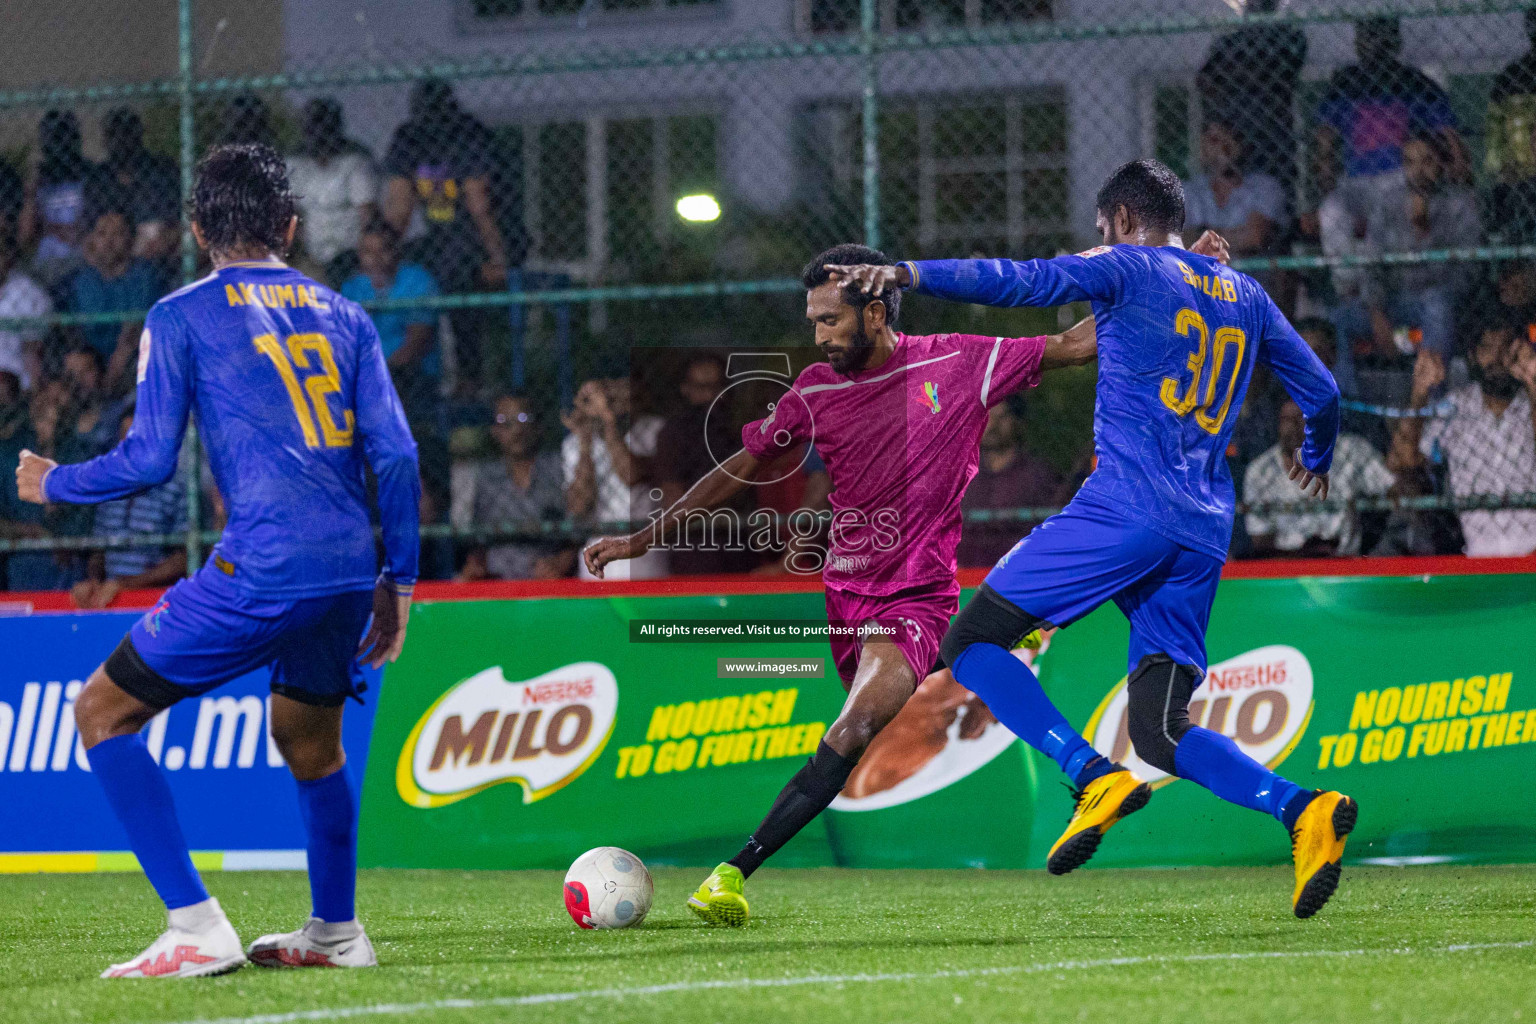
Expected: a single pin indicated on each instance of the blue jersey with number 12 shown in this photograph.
(1179, 336)
(293, 402)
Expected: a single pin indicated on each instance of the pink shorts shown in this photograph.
(918, 615)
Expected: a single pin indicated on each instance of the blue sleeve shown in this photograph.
(1308, 382)
(1092, 276)
(147, 456)
(391, 454)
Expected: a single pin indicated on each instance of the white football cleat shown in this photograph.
(199, 942)
(318, 944)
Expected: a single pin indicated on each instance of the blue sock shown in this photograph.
(1015, 696)
(329, 809)
(141, 798)
(1215, 762)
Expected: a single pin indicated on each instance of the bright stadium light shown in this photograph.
(699, 209)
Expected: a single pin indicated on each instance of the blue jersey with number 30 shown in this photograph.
(1179, 336)
(293, 398)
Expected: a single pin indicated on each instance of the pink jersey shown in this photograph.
(901, 443)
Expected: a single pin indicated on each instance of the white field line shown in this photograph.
(545, 998)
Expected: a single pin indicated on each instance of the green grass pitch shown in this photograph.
(1211, 946)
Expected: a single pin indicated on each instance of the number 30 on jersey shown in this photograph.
(1200, 394)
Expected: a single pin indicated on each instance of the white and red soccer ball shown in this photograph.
(608, 888)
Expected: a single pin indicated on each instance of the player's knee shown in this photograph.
(855, 729)
(1157, 713)
(103, 711)
(989, 618)
(309, 752)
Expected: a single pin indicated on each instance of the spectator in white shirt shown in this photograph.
(605, 462)
(1358, 471)
(1248, 209)
(20, 347)
(337, 189)
(1484, 433)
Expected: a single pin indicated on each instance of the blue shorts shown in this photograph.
(1080, 558)
(204, 633)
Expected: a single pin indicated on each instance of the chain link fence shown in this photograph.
(532, 195)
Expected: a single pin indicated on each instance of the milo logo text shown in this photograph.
(541, 733)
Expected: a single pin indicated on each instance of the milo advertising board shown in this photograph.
(1408, 694)
(519, 733)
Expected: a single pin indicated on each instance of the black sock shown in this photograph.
(807, 795)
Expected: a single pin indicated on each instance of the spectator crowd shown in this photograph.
(1436, 358)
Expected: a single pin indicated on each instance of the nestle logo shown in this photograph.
(1245, 677)
(547, 693)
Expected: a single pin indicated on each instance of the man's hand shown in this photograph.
(29, 476)
(1428, 374)
(1213, 245)
(493, 274)
(872, 280)
(96, 594)
(386, 633)
(1313, 485)
(1520, 357)
(614, 549)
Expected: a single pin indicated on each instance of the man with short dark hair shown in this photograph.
(145, 186)
(113, 280)
(442, 164)
(522, 485)
(1484, 433)
(1008, 477)
(408, 336)
(1248, 82)
(337, 186)
(294, 406)
(897, 419)
(1179, 338)
(1358, 471)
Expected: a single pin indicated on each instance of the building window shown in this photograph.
(600, 193)
(827, 16)
(958, 174)
(490, 11)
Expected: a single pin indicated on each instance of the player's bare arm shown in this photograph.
(714, 489)
(1076, 346)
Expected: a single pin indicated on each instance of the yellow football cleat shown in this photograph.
(1100, 804)
(719, 900)
(1317, 847)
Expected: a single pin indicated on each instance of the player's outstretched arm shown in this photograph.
(147, 456)
(714, 489)
(391, 454)
(1077, 346)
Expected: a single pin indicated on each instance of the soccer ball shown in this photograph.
(608, 888)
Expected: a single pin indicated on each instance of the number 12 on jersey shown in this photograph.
(317, 386)
(1197, 398)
